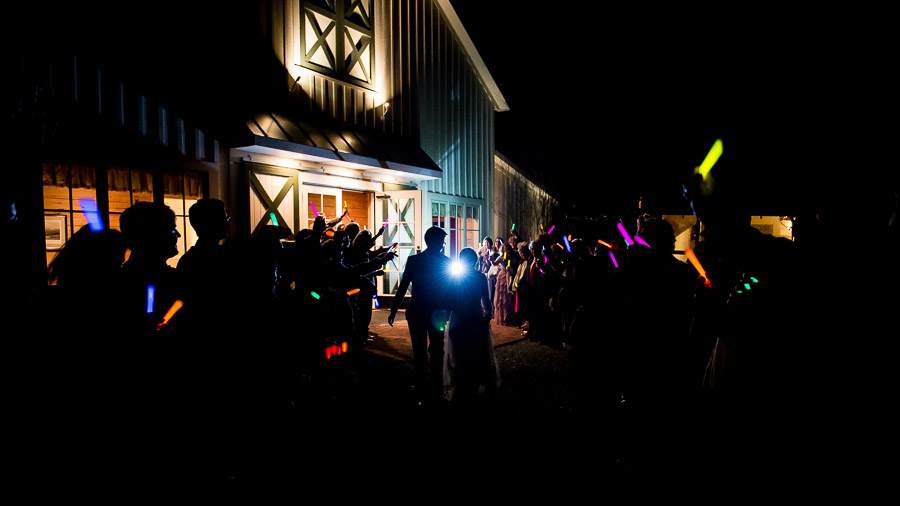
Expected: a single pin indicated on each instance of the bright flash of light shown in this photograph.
(711, 158)
(456, 268)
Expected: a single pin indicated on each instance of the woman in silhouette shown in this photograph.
(470, 367)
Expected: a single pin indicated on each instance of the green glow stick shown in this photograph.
(274, 220)
(711, 158)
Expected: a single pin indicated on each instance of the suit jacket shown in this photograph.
(429, 274)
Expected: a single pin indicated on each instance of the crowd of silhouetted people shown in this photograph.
(767, 349)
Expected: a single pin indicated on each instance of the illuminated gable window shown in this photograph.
(337, 39)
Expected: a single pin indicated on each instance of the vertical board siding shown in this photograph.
(435, 95)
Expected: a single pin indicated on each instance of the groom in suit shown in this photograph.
(429, 272)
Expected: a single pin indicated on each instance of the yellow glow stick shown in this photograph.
(711, 158)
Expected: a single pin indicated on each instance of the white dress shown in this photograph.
(470, 366)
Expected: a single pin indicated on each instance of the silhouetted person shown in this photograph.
(428, 273)
(470, 367)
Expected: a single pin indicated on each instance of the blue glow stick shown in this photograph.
(568, 246)
(375, 298)
(151, 292)
(91, 214)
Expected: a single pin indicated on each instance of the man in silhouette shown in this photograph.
(429, 273)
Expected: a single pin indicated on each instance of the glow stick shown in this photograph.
(568, 246)
(551, 229)
(689, 253)
(711, 158)
(613, 258)
(605, 243)
(314, 209)
(274, 220)
(375, 298)
(151, 291)
(91, 214)
(171, 312)
(624, 233)
(542, 226)
(315, 295)
(351, 292)
(514, 226)
(329, 233)
(640, 240)
(344, 347)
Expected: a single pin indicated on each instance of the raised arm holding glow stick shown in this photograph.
(689, 253)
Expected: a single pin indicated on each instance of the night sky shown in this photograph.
(608, 103)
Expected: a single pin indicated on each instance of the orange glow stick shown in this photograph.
(689, 253)
(171, 312)
(351, 292)
(605, 243)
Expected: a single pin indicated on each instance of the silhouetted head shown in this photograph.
(149, 230)
(487, 242)
(209, 219)
(363, 240)
(89, 260)
(352, 230)
(468, 257)
(434, 238)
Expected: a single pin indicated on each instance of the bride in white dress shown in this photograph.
(470, 367)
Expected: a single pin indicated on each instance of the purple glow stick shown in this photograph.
(551, 229)
(624, 233)
(640, 240)
(314, 209)
(613, 258)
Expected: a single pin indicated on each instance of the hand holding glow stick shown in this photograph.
(689, 253)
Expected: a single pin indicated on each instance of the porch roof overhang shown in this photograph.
(338, 149)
